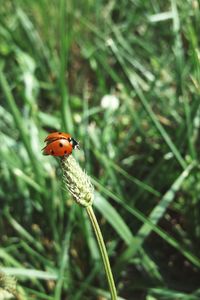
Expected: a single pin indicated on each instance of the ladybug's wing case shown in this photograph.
(59, 147)
(57, 135)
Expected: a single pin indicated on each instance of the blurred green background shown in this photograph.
(123, 77)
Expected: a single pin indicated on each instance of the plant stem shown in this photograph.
(103, 251)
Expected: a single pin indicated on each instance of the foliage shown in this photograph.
(58, 59)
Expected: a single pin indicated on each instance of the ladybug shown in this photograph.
(59, 144)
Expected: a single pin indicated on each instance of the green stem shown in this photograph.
(104, 254)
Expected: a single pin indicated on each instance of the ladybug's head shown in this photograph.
(74, 143)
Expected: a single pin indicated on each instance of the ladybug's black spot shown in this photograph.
(52, 152)
(61, 145)
(59, 132)
(65, 152)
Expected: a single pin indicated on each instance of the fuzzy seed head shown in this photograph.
(77, 181)
(7, 283)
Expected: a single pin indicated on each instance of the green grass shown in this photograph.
(57, 60)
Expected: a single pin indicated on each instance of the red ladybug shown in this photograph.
(59, 144)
